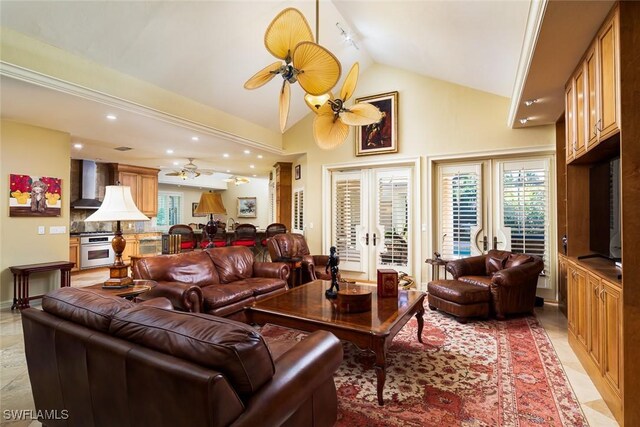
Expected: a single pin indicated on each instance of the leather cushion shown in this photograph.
(225, 294)
(84, 306)
(459, 292)
(262, 285)
(495, 261)
(233, 263)
(484, 281)
(232, 348)
(515, 260)
(193, 268)
(243, 243)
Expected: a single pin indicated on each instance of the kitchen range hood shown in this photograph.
(88, 185)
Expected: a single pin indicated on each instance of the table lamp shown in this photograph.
(118, 206)
(211, 203)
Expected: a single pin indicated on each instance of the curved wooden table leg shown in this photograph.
(380, 366)
(420, 319)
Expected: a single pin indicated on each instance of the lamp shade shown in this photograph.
(211, 203)
(118, 205)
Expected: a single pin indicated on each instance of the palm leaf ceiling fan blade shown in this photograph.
(327, 131)
(319, 69)
(349, 85)
(285, 96)
(263, 76)
(286, 30)
(361, 114)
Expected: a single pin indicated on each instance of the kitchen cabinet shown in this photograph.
(611, 298)
(143, 183)
(592, 94)
(595, 319)
(74, 252)
(131, 248)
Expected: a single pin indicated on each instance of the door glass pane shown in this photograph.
(346, 217)
(459, 211)
(393, 215)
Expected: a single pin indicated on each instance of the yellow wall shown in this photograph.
(37, 151)
(435, 118)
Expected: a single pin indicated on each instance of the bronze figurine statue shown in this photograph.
(332, 263)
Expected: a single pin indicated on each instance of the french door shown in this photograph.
(497, 204)
(372, 220)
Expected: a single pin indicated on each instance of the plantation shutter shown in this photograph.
(460, 210)
(525, 207)
(298, 211)
(169, 209)
(347, 218)
(272, 199)
(393, 217)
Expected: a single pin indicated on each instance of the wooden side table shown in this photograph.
(21, 279)
(436, 263)
(295, 264)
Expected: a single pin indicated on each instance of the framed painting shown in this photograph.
(34, 195)
(380, 137)
(194, 206)
(247, 207)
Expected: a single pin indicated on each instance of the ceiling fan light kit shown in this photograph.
(189, 171)
(317, 70)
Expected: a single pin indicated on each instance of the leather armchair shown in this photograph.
(512, 279)
(291, 245)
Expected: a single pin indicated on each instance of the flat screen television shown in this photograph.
(604, 209)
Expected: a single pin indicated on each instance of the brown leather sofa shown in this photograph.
(219, 281)
(292, 245)
(511, 279)
(98, 360)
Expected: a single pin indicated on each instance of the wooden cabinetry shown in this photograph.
(595, 328)
(131, 249)
(592, 94)
(562, 284)
(283, 193)
(74, 252)
(143, 183)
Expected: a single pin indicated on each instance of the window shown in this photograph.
(169, 209)
(298, 211)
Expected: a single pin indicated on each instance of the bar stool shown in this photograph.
(272, 230)
(245, 235)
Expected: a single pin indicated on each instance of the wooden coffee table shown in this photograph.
(306, 308)
(129, 292)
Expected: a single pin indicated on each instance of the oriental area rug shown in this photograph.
(484, 373)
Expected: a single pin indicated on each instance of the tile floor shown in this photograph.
(15, 390)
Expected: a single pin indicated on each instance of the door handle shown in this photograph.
(495, 242)
(374, 239)
(485, 244)
(366, 239)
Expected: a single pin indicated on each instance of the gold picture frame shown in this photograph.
(380, 137)
(247, 207)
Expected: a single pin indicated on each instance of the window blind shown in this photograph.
(393, 215)
(525, 201)
(459, 211)
(347, 217)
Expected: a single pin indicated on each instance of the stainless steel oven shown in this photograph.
(96, 251)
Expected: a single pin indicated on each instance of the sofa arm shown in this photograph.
(159, 302)
(472, 266)
(299, 373)
(183, 296)
(521, 275)
(276, 270)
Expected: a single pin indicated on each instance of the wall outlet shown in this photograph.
(61, 229)
(41, 229)
(310, 225)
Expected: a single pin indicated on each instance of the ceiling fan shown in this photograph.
(332, 121)
(289, 38)
(189, 171)
(237, 180)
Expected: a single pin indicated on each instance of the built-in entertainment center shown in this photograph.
(598, 205)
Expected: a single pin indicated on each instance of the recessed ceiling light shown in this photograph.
(259, 156)
(195, 138)
(225, 155)
(254, 175)
(252, 166)
(228, 171)
(112, 117)
(247, 151)
(530, 102)
(78, 146)
(169, 151)
(525, 120)
(176, 163)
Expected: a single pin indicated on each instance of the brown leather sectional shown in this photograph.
(98, 360)
(218, 281)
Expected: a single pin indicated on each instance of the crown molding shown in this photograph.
(33, 77)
